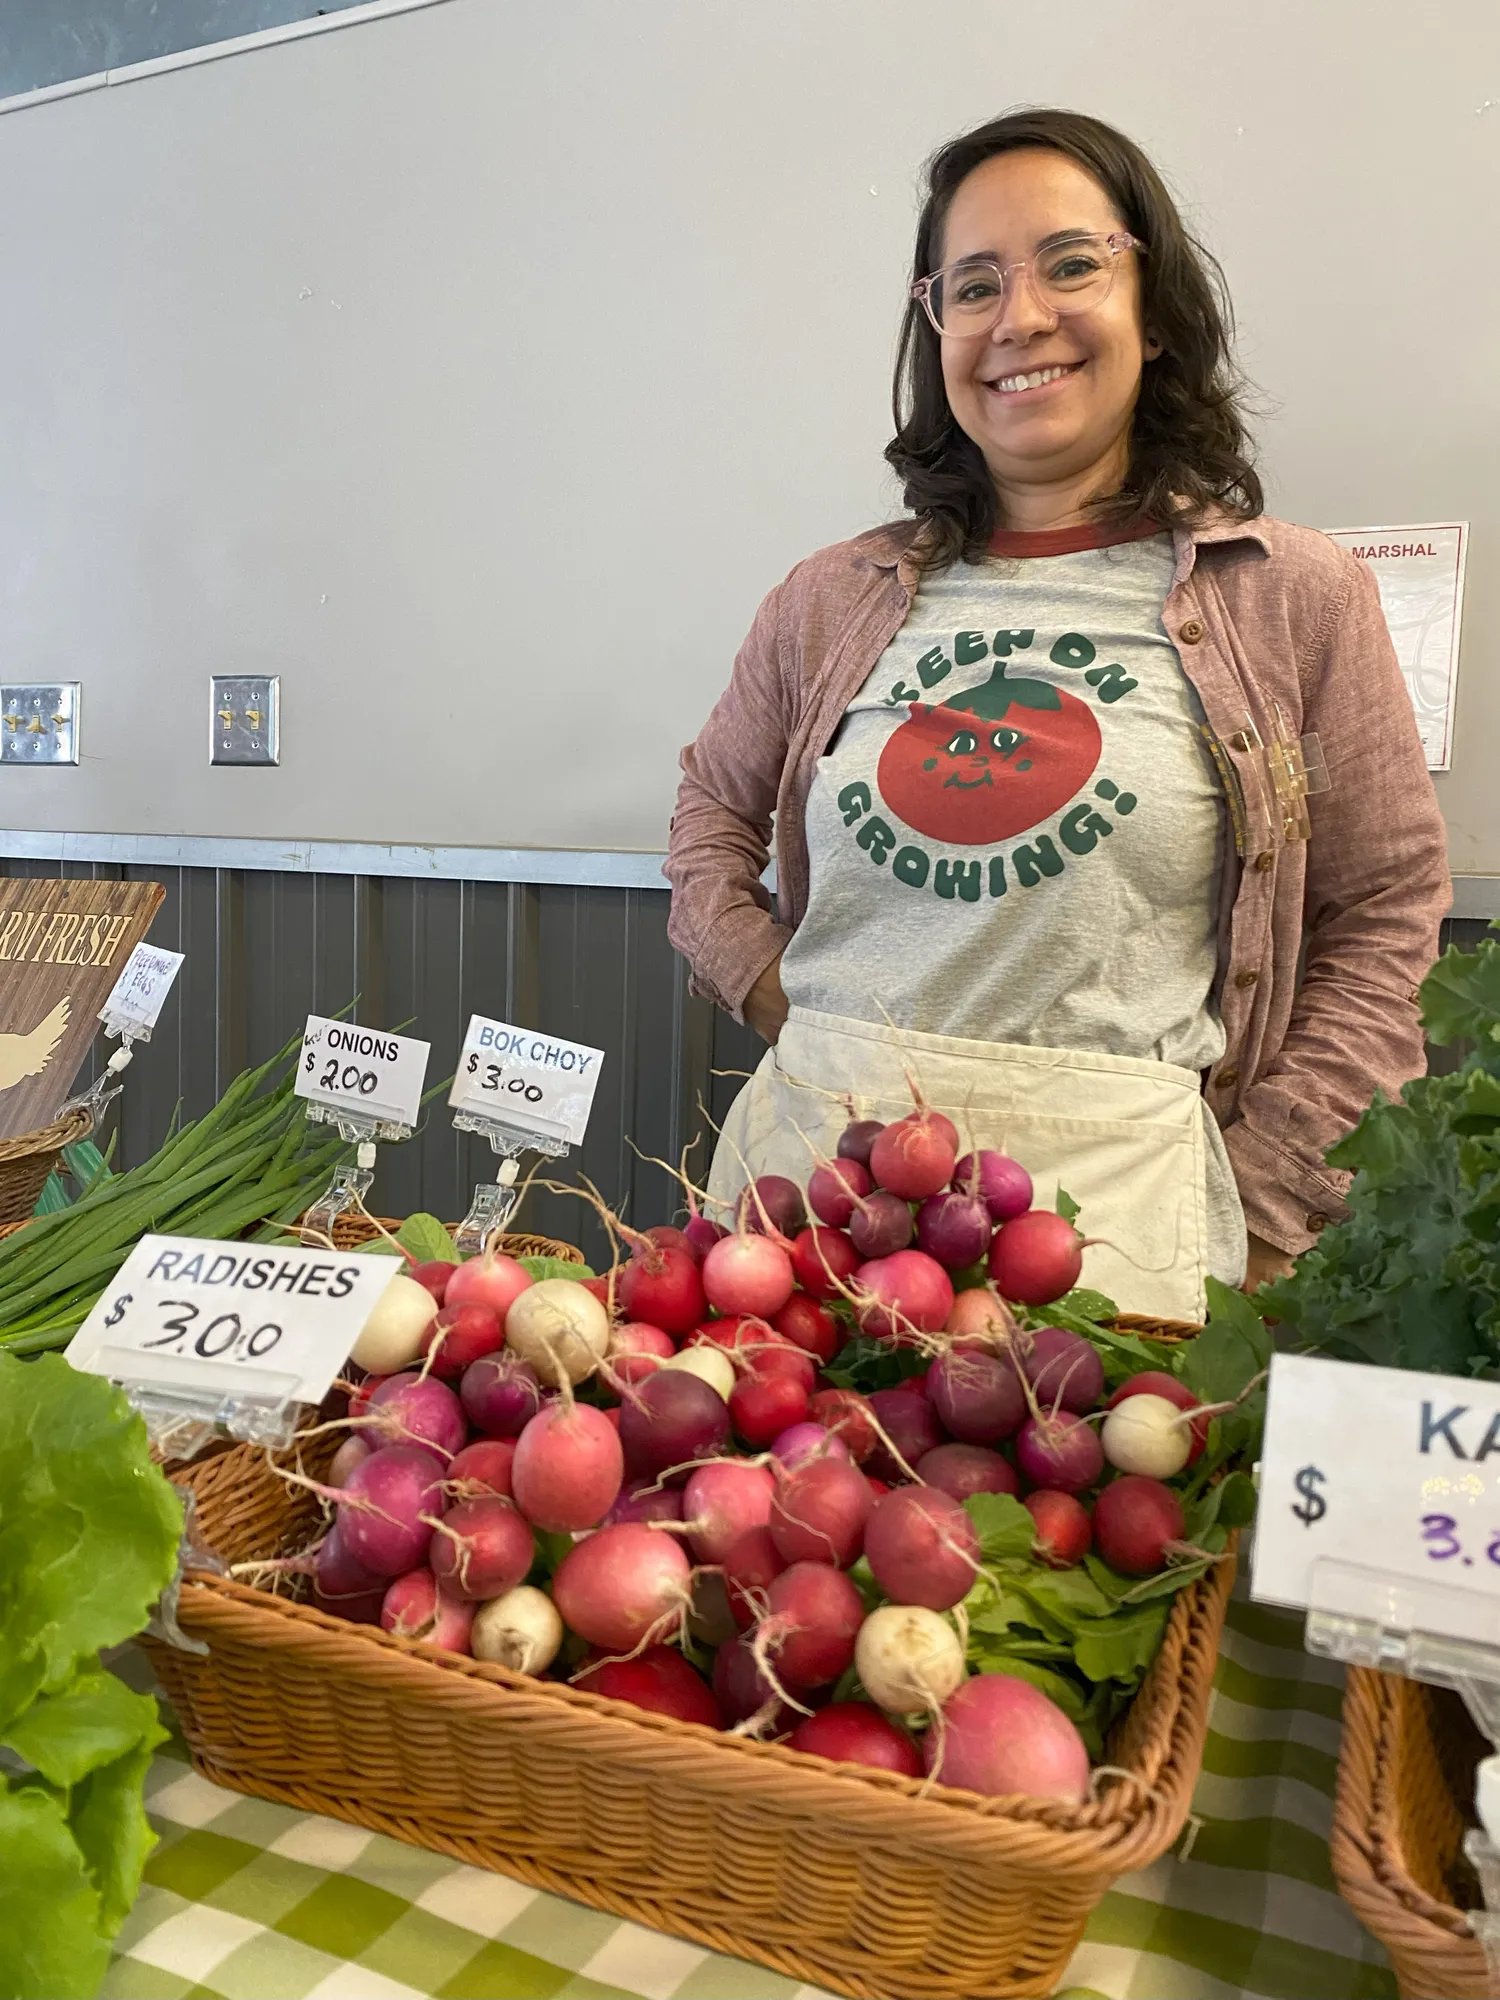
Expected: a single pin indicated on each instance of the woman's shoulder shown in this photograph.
(1293, 554)
(847, 567)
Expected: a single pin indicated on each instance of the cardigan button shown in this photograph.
(1246, 978)
(1263, 862)
(1191, 631)
(1317, 1222)
(1227, 1078)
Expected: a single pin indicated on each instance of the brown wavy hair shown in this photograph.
(1189, 446)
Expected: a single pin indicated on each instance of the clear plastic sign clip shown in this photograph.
(129, 1015)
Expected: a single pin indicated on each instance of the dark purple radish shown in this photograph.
(816, 1613)
(857, 1138)
(833, 1191)
(819, 1511)
(1063, 1532)
(978, 1397)
(1002, 1183)
(881, 1225)
(911, 1424)
(386, 1510)
(500, 1394)
(1036, 1258)
(623, 1586)
(343, 1587)
(568, 1468)
(902, 1294)
(771, 1205)
(1136, 1521)
(702, 1234)
(644, 1500)
(671, 1421)
(914, 1157)
(417, 1607)
(481, 1549)
(954, 1228)
(962, 1469)
(419, 1410)
(855, 1732)
(921, 1547)
(661, 1285)
(742, 1690)
(1060, 1451)
(1062, 1368)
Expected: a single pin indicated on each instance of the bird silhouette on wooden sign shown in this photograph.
(29, 1054)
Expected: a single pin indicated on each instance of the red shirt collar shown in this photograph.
(1069, 541)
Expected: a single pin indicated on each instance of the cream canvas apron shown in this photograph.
(1125, 1137)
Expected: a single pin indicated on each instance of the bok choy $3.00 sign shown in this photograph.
(1380, 1496)
(262, 1319)
(525, 1079)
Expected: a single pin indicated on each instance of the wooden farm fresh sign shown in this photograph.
(62, 946)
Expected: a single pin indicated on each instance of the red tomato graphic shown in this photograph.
(991, 762)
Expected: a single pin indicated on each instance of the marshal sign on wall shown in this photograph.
(62, 946)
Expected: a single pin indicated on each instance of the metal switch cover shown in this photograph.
(39, 723)
(244, 719)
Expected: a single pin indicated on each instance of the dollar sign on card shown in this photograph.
(1312, 1506)
(117, 1311)
(473, 1061)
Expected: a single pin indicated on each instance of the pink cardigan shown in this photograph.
(1259, 611)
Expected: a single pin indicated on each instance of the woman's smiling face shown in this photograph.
(1075, 425)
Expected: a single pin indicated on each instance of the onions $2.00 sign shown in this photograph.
(520, 1077)
(1380, 1489)
(362, 1070)
(231, 1317)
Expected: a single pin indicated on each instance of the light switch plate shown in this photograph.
(244, 719)
(39, 722)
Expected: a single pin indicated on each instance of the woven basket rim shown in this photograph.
(65, 1130)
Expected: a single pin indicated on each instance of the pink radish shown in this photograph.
(977, 1397)
(980, 1319)
(810, 1325)
(1002, 1183)
(912, 1427)
(772, 1205)
(1036, 1258)
(459, 1335)
(636, 1351)
(660, 1680)
(343, 1587)
(493, 1280)
(954, 1229)
(914, 1157)
(857, 1138)
(1153, 1382)
(846, 1414)
(921, 1547)
(500, 1394)
(833, 1190)
(809, 1636)
(804, 1441)
(1063, 1368)
(434, 1276)
(962, 1469)
(644, 1500)
(1136, 1521)
(416, 1409)
(901, 1293)
(670, 1421)
(1059, 1450)
(416, 1607)
(748, 1274)
(723, 1502)
(1063, 1534)
(481, 1548)
(384, 1512)
(761, 1407)
(623, 1585)
(661, 1286)
(881, 1225)
(568, 1468)
(742, 1690)
(855, 1732)
(751, 1566)
(482, 1470)
(819, 1512)
(1003, 1738)
(352, 1452)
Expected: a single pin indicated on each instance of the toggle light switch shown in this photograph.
(39, 723)
(244, 719)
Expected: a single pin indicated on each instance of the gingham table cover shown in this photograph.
(244, 1900)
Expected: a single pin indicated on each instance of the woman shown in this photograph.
(1022, 751)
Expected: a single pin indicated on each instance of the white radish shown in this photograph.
(710, 1364)
(1147, 1435)
(560, 1328)
(520, 1630)
(392, 1337)
(908, 1659)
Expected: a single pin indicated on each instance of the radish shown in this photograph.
(834, 1189)
(908, 1659)
(667, 1234)
(459, 1335)
(481, 1470)
(1003, 1738)
(671, 1421)
(1149, 1435)
(521, 1631)
(1002, 1184)
(1063, 1368)
(911, 1425)
(980, 1318)
(751, 1566)
(391, 1338)
(417, 1607)
(962, 1469)
(434, 1276)
(352, 1452)
(343, 1587)
(493, 1280)
(819, 1512)
(815, 1613)
(914, 1157)
(1063, 1534)
(385, 1511)
(723, 1502)
(954, 1229)
(742, 1690)
(977, 1397)
(660, 1680)
(701, 1235)
(481, 1548)
(417, 1409)
(804, 1441)
(772, 1206)
(1136, 1522)
(748, 1274)
(809, 1325)
(763, 1406)
(857, 1138)
(852, 1732)
(623, 1586)
(901, 1293)
(661, 1286)
(644, 1500)
(1059, 1450)
(846, 1415)
(913, 1385)
(921, 1547)
(636, 1351)
(710, 1364)
(1153, 1382)
(568, 1468)
(559, 1328)
(1036, 1258)
(500, 1394)
(881, 1225)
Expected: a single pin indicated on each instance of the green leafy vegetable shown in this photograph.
(873, 1364)
(1067, 1208)
(554, 1267)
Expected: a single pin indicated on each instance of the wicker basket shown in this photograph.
(350, 1232)
(1406, 1776)
(845, 1878)
(26, 1162)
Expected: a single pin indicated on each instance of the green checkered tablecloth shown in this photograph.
(249, 1901)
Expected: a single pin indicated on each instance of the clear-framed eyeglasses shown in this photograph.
(1071, 276)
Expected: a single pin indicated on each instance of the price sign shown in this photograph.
(138, 994)
(350, 1068)
(231, 1318)
(1387, 1471)
(520, 1077)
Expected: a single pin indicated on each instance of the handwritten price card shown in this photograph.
(141, 990)
(1395, 1473)
(349, 1068)
(520, 1077)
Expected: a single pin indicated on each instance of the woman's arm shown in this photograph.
(1377, 887)
(721, 918)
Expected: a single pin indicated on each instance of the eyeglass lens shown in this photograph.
(1068, 278)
